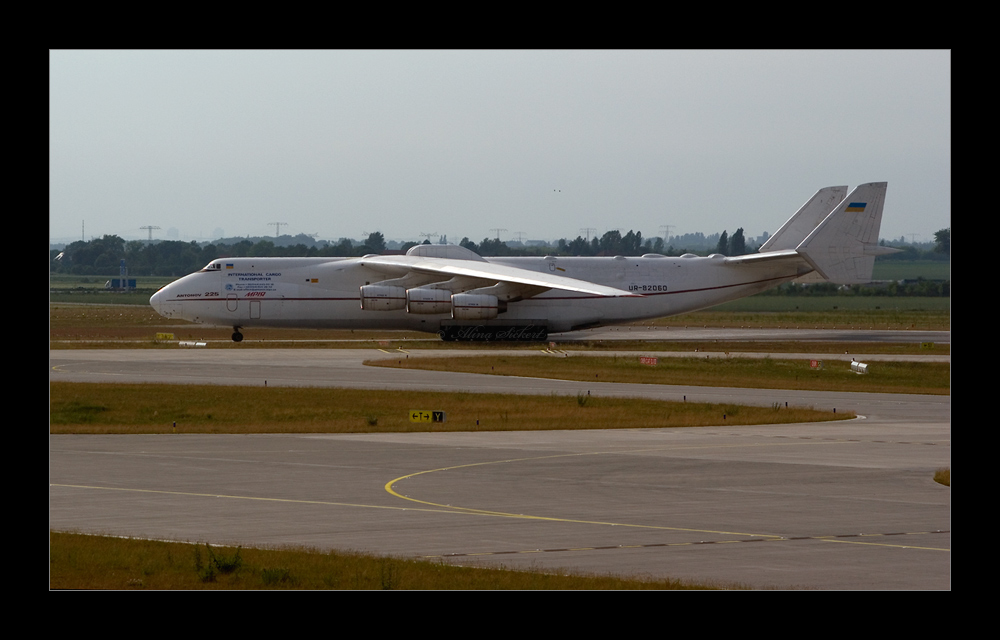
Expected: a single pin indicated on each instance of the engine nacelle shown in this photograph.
(474, 306)
(428, 300)
(376, 297)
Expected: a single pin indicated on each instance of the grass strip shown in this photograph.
(78, 561)
(155, 408)
(109, 326)
(757, 373)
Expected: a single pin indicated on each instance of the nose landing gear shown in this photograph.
(237, 336)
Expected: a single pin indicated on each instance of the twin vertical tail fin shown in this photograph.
(842, 248)
(809, 215)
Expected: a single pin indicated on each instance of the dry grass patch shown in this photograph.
(154, 408)
(943, 476)
(79, 561)
(759, 373)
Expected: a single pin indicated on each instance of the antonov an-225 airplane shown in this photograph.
(450, 290)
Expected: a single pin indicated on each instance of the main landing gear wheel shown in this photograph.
(237, 336)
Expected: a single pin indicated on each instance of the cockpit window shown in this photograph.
(213, 266)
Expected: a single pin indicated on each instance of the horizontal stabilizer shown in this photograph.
(770, 256)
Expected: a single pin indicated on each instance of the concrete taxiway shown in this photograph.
(845, 505)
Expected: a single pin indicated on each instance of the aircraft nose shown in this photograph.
(159, 302)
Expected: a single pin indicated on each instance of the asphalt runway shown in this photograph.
(845, 505)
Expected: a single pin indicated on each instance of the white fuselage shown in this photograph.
(325, 292)
(452, 291)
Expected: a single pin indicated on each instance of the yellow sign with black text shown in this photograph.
(426, 416)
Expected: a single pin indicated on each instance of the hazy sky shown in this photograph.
(544, 144)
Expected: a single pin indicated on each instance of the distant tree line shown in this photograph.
(613, 243)
(940, 249)
(916, 288)
(101, 256)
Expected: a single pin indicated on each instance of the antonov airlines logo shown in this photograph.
(856, 207)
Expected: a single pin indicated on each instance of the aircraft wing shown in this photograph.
(399, 265)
